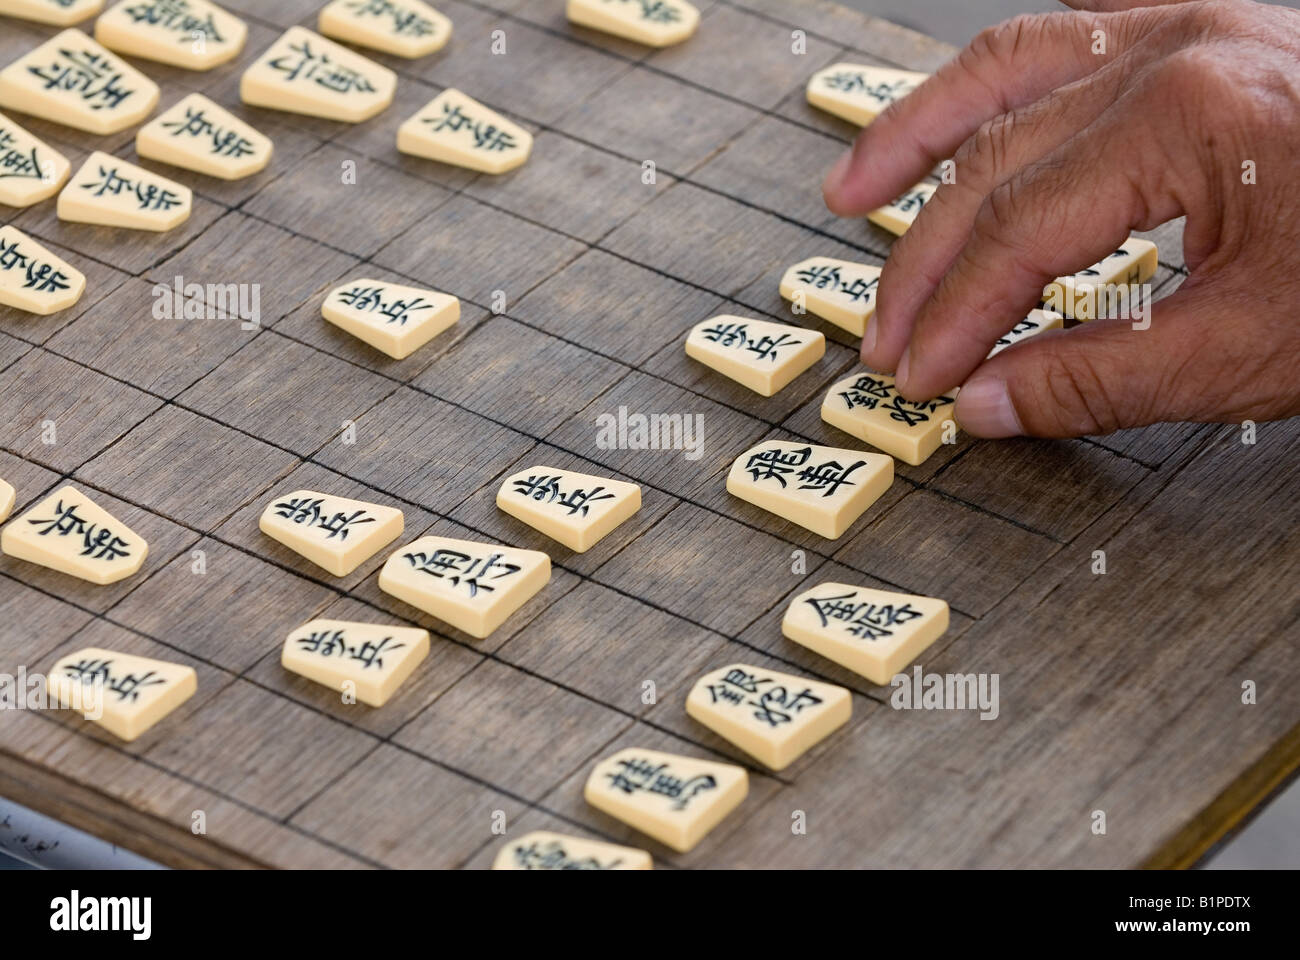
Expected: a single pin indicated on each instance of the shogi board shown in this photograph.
(1119, 692)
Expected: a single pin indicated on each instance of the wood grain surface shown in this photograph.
(1119, 693)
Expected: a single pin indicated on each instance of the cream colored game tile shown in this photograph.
(302, 72)
(7, 496)
(859, 93)
(72, 80)
(868, 406)
(1077, 297)
(191, 34)
(577, 509)
(901, 212)
(543, 850)
(656, 23)
(823, 489)
(774, 717)
(452, 128)
(874, 633)
(757, 354)
(124, 694)
(110, 192)
(406, 28)
(367, 660)
(334, 533)
(198, 135)
(472, 586)
(58, 13)
(1036, 322)
(34, 279)
(30, 169)
(394, 319)
(840, 291)
(677, 800)
(69, 533)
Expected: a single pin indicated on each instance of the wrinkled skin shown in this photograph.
(1060, 153)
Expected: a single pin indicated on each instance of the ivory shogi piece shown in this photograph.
(30, 169)
(859, 93)
(472, 586)
(34, 279)
(57, 13)
(677, 800)
(543, 850)
(901, 212)
(69, 533)
(190, 34)
(392, 318)
(72, 80)
(7, 496)
(302, 72)
(370, 660)
(757, 354)
(823, 489)
(840, 291)
(198, 135)
(1076, 296)
(1036, 322)
(452, 128)
(109, 192)
(576, 509)
(405, 28)
(334, 533)
(774, 717)
(656, 23)
(124, 694)
(868, 406)
(874, 633)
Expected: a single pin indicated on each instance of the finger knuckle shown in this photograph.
(1081, 396)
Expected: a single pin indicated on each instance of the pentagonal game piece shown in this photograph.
(198, 135)
(191, 34)
(34, 279)
(69, 533)
(368, 660)
(113, 193)
(859, 93)
(901, 212)
(7, 496)
(395, 319)
(1036, 322)
(302, 72)
(543, 850)
(757, 354)
(452, 128)
(869, 406)
(656, 23)
(840, 291)
(577, 509)
(30, 169)
(124, 694)
(58, 13)
(335, 533)
(1077, 296)
(407, 28)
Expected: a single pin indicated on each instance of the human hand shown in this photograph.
(1060, 153)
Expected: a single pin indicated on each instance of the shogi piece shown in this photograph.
(874, 633)
(124, 694)
(302, 72)
(859, 93)
(406, 28)
(472, 586)
(58, 13)
(7, 496)
(868, 406)
(577, 509)
(191, 34)
(72, 80)
(32, 278)
(774, 717)
(1077, 296)
(543, 850)
(901, 212)
(1036, 322)
(823, 489)
(656, 23)
(69, 533)
(394, 319)
(30, 169)
(370, 660)
(840, 291)
(676, 800)
(110, 192)
(757, 354)
(198, 135)
(453, 128)
(335, 533)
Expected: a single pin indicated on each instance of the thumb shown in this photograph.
(1104, 375)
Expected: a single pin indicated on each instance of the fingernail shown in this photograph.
(836, 175)
(900, 372)
(984, 409)
(868, 339)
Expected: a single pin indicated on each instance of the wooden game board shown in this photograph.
(1119, 692)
